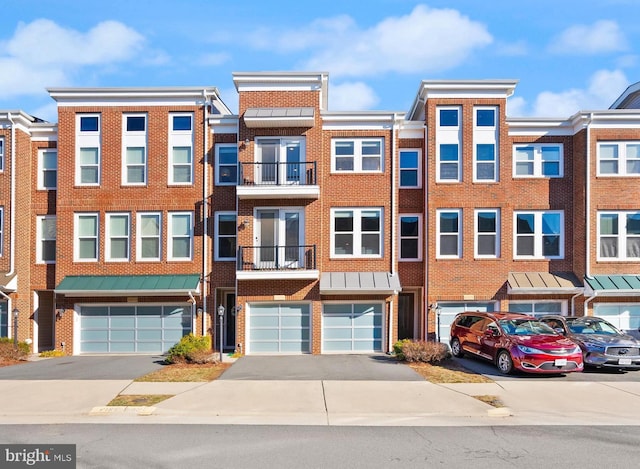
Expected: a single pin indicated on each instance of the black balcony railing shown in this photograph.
(276, 258)
(277, 174)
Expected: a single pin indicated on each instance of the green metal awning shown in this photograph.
(129, 285)
(613, 285)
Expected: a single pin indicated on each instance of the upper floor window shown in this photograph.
(148, 236)
(88, 143)
(47, 169)
(180, 236)
(619, 159)
(117, 234)
(1, 154)
(485, 141)
(485, 168)
(410, 169)
(134, 151)
(448, 144)
(449, 234)
(619, 235)
(487, 233)
(226, 164)
(86, 237)
(225, 235)
(538, 160)
(46, 239)
(356, 232)
(485, 117)
(359, 155)
(410, 237)
(181, 149)
(539, 235)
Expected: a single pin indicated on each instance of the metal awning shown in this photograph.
(129, 285)
(359, 283)
(264, 117)
(8, 283)
(547, 283)
(613, 285)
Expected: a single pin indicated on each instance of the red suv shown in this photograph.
(514, 341)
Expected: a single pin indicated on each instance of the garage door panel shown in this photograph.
(294, 347)
(337, 334)
(368, 333)
(96, 347)
(352, 327)
(294, 334)
(122, 347)
(279, 328)
(123, 322)
(367, 346)
(150, 347)
(150, 335)
(337, 346)
(335, 320)
(94, 335)
(126, 335)
(264, 347)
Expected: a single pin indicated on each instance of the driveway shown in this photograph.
(376, 367)
(96, 367)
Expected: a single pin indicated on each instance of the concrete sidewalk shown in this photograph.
(315, 402)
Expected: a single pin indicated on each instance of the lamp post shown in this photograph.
(15, 328)
(220, 320)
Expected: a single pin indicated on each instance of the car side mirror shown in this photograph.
(559, 330)
(492, 332)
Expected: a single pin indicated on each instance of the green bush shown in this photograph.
(7, 349)
(190, 349)
(421, 351)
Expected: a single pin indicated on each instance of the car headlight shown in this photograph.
(577, 349)
(525, 349)
(593, 347)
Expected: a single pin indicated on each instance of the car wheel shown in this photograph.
(504, 362)
(456, 349)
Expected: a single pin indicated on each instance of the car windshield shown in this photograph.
(525, 327)
(592, 326)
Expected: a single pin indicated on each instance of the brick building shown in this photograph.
(149, 213)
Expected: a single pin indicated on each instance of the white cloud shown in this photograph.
(213, 59)
(353, 96)
(603, 88)
(42, 54)
(424, 41)
(602, 36)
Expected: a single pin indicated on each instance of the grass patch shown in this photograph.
(138, 399)
(491, 400)
(185, 372)
(448, 371)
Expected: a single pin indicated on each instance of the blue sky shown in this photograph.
(567, 55)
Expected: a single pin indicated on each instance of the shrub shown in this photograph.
(7, 349)
(190, 349)
(52, 353)
(421, 351)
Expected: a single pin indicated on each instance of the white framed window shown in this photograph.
(279, 161)
(449, 234)
(487, 233)
(134, 149)
(357, 155)
(118, 237)
(356, 232)
(225, 236)
(181, 149)
(46, 239)
(180, 239)
(226, 164)
(410, 237)
(485, 149)
(618, 235)
(1, 154)
(47, 169)
(448, 144)
(86, 237)
(538, 160)
(539, 235)
(410, 168)
(88, 141)
(149, 230)
(539, 308)
(619, 159)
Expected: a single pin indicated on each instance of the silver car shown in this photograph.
(602, 344)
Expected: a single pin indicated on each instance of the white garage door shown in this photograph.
(132, 328)
(279, 328)
(352, 327)
(625, 317)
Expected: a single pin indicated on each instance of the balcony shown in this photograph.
(292, 180)
(277, 262)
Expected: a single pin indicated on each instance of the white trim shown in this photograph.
(621, 236)
(140, 237)
(76, 236)
(537, 162)
(216, 235)
(449, 135)
(476, 234)
(358, 155)
(109, 237)
(41, 169)
(458, 233)
(418, 238)
(170, 236)
(2, 153)
(218, 146)
(621, 158)
(40, 238)
(537, 235)
(418, 169)
(180, 139)
(88, 140)
(356, 215)
(486, 135)
(563, 305)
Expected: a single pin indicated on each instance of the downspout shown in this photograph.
(425, 227)
(393, 221)
(205, 213)
(12, 261)
(588, 213)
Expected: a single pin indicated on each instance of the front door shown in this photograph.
(406, 316)
(228, 324)
(280, 161)
(279, 238)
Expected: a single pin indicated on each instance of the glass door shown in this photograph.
(279, 238)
